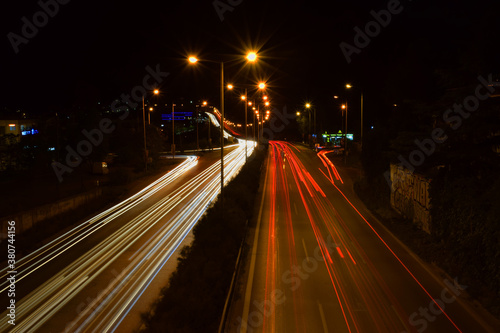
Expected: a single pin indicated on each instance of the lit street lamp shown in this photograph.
(156, 92)
(344, 107)
(245, 98)
(204, 104)
(349, 86)
(308, 108)
(251, 57)
(149, 115)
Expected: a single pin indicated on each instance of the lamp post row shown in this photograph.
(156, 92)
(251, 57)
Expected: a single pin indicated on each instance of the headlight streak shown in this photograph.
(215, 121)
(127, 302)
(64, 242)
(146, 262)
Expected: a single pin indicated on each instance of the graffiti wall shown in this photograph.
(410, 196)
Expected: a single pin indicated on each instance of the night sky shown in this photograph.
(97, 50)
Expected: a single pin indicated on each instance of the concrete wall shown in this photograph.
(26, 220)
(410, 196)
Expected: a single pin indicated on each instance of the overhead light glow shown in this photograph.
(251, 56)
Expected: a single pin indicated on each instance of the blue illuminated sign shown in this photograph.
(178, 115)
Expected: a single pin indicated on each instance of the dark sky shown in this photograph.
(96, 50)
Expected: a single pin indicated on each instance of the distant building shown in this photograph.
(18, 128)
(496, 86)
(337, 139)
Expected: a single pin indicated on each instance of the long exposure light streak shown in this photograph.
(171, 217)
(385, 311)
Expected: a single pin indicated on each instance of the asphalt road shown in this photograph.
(320, 262)
(92, 277)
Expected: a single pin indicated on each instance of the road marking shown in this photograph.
(248, 292)
(323, 319)
(304, 245)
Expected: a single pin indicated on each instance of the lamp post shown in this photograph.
(222, 135)
(156, 92)
(344, 107)
(308, 108)
(149, 115)
(204, 104)
(256, 118)
(253, 125)
(251, 57)
(173, 131)
(349, 86)
(244, 98)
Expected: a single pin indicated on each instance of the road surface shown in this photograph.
(90, 278)
(319, 262)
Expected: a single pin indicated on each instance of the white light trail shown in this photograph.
(154, 234)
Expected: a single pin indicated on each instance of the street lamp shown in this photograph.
(251, 57)
(149, 115)
(253, 126)
(204, 104)
(173, 130)
(344, 107)
(156, 92)
(309, 124)
(308, 107)
(244, 98)
(349, 86)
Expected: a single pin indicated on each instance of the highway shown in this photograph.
(320, 262)
(90, 278)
